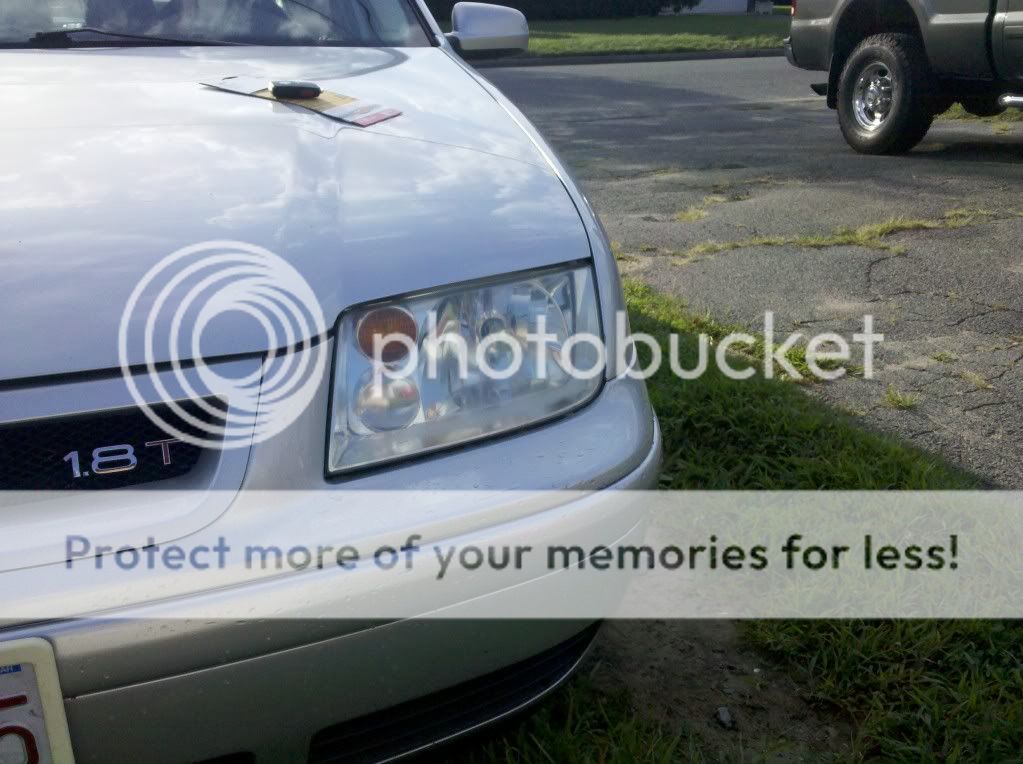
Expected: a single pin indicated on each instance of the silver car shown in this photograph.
(178, 140)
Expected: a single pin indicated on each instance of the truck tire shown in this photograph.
(886, 95)
(982, 106)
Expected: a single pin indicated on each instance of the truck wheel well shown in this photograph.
(860, 20)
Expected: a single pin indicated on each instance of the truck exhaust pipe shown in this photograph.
(1011, 101)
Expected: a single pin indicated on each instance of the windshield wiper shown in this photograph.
(62, 38)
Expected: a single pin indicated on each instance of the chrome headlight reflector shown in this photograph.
(452, 366)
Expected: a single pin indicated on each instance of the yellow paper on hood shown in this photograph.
(329, 104)
(326, 102)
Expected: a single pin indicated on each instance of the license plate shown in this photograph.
(33, 727)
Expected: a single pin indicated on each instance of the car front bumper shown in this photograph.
(152, 686)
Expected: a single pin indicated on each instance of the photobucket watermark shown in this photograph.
(487, 351)
(826, 356)
(162, 330)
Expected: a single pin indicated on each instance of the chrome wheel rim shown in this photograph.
(873, 96)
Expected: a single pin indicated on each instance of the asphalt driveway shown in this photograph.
(714, 177)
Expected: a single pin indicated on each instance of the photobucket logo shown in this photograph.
(222, 288)
(741, 355)
(824, 356)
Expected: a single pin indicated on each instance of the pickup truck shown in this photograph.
(894, 64)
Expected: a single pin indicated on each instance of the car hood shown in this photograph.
(115, 158)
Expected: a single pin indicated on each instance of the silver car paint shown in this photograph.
(483, 27)
(115, 159)
(478, 193)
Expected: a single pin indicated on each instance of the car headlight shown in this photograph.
(455, 365)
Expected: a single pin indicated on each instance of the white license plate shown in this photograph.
(33, 728)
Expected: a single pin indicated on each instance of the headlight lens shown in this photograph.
(456, 365)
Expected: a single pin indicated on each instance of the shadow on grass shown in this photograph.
(578, 725)
(925, 690)
(919, 690)
(922, 690)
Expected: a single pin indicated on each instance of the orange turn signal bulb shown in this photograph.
(382, 323)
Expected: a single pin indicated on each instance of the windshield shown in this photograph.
(371, 23)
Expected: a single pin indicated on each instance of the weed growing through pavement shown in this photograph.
(901, 401)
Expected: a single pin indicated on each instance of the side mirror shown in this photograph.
(481, 30)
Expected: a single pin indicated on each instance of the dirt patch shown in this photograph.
(680, 673)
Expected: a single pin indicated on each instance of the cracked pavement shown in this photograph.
(748, 144)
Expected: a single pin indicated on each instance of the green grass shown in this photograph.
(977, 381)
(695, 324)
(671, 34)
(894, 399)
(698, 212)
(916, 690)
(582, 725)
(690, 215)
(919, 690)
(761, 434)
(871, 236)
(957, 112)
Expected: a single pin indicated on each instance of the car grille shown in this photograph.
(38, 454)
(417, 724)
